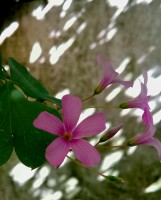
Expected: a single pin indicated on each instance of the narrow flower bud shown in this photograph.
(98, 90)
(110, 133)
(115, 179)
(132, 142)
(124, 105)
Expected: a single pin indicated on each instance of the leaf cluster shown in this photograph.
(17, 114)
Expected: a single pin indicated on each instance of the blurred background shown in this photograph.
(58, 40)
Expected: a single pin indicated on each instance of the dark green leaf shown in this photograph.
(0, 59)
(6, 142)
(29, 85)
(2, 72)
(30, 143)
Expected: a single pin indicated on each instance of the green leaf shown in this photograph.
(30, 143)
(2, 72)
(6, 141)
(0, 59)
(29, 85)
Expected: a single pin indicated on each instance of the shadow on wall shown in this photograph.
(58, 41)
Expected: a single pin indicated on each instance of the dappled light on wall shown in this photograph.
(58, 42)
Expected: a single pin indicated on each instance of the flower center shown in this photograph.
(67, 136)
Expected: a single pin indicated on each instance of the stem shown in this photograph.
(111, 178)
(119, 146)
(110, 147)
(50, 101)
(102, 107)
(89, 97)
(97, 144)
(78, 163)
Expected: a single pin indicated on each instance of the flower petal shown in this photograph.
(147, 117)
(48, 122)
(143, 137)
(138, 102)
(144, 90)
(56, 152)
(85, 152)
(71, 108)
(141, 101)
(145, 76)
(155, 143)
(127, 84)
(92, 125)
(109, 74)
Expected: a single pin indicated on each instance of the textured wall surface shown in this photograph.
(128, 35)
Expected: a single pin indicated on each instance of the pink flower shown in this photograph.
(70, 134)
(151, 141)
(144, 138)
(147, 137)
(141, 101)
(109, 77)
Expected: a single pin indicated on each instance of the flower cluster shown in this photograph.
(71, 134)
(142, 102)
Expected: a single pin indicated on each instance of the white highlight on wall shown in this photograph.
(143, 1)
(35, 52)
(118, 3)
(57, 51)
(21, 174)
(40, 12)
(154, 186)
(9, 31)
(65, 7)
(60, 94)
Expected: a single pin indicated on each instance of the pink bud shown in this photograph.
(110, 133)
